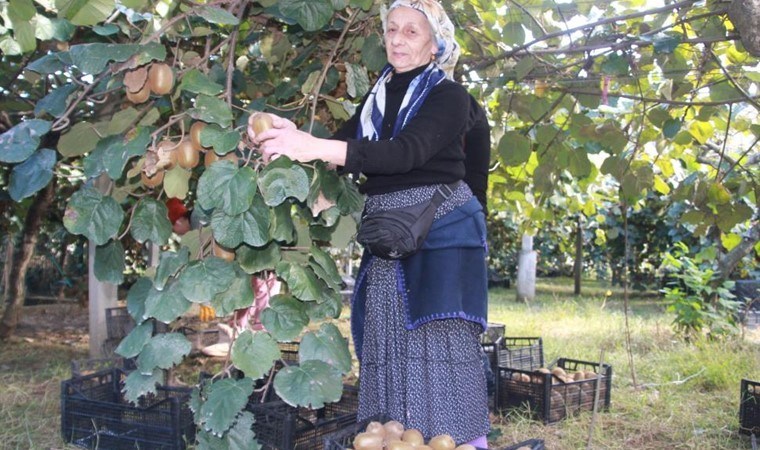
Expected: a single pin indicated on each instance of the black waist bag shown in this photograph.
(399, 232)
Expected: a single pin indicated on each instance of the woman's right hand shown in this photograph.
(277, 122)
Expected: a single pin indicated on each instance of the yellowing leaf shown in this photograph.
(701, 131)
(661, 186)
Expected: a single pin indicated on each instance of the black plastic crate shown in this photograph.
(749, 410)
(283, 427)
(525, 353)
(343, 439)
(118, 322)
(530, 444)
(95, 414)
(494, 332)
(549, 398)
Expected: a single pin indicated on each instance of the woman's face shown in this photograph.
(409, 41)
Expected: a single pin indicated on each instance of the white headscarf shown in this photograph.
(443, 31)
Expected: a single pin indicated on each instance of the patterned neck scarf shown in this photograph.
(371, 118)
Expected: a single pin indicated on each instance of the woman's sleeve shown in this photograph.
(441, 119)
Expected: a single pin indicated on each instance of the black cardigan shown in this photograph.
(428, 150)
(477, 150)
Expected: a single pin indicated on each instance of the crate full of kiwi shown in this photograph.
(382, 433)
(749, 410)
(555, 392)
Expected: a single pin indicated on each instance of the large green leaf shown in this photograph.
(251, 227)
(373, 53)
(254, 353)
(636, 181)
(177, 182)
(330, 308)
(56, 102)
(93, 215)
(615, 64)
(730, 215)
(311, 384)
(167, 304)
(113, 152)
(135, 341)
(221, 140)
(93, 58)
(326, 345)
(85, 12)
(169, 264)
(163, 351)
(212, 110)
(285, 317)
(32, 175)
(357, 80)
(302, 281)
(671, 127)
(18, 143)
(50, 63)
(20, 14)
(239, 295)
(109, 262)
(150, 222)
(239, 437)
(197, 82)
(220, 16)
(82, 138)
(203, 279)
(136, 297)
(325, 262)
(254, 260)
(514, 33)
(514, 148)
(282, 227)
(310, 14)
(224, 400)
(138, 384)
(577, 163)
(350, 200)
(281, 180)
(229, 187)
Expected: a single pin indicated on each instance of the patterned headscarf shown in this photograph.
(443, 30)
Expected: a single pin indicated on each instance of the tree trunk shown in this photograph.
(30, 234)
(526, 270)
(578, 265)
(10, 249)
(100, 295)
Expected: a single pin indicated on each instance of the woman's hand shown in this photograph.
(284, 138)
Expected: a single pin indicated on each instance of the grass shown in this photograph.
(686, 395)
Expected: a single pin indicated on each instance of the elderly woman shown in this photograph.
(415, 322)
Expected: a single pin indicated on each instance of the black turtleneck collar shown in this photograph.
(402, 80)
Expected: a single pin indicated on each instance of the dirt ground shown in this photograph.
(64, 323)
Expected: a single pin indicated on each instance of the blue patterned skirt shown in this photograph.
(430, 378)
